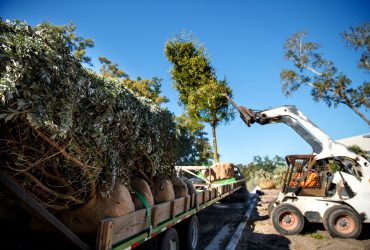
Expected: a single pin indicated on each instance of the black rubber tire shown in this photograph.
(342, 222)
(271, 207)
(189, 233)
(326, 215)
(170, 240)
(287, 219)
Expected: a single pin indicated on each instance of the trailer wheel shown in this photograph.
(189, 233)
(170, 240)
(342, 222)
(287, 219)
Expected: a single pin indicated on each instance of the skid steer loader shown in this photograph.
(329, 186)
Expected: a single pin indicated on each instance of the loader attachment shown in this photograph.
(246, 114)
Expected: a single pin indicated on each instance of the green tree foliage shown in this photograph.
(149, 88)
(192, 147)
(358, 39)
(264, 168)
(76, 44)
(320, 74)
(65, 130)
(199, 90)
(191, 67)
(208, 105)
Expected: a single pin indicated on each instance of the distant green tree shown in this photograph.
(76, 44)
(267, 164)
(264, 164)
(192, 146)
(149, 88)
(199, 90)
(319, 74)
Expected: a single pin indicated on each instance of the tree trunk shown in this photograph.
(215, 151)
(354, 109)
(360, 114)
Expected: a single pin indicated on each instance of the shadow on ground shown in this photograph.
(259, 240)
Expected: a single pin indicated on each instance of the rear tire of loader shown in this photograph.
(342, 222)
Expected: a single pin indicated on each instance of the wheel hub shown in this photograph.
(343, 222)
(287, 219)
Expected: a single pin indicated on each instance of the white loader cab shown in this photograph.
(329, 186)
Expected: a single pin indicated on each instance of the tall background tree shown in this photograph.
(199, 90)
(311, 69)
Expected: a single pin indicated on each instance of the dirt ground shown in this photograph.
(260, 234)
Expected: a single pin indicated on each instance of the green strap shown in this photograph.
(143, 200)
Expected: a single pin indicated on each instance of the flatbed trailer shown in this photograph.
(139, 226)
(133, 229)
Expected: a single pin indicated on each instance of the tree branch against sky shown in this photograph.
(311, 69)
(149, 88)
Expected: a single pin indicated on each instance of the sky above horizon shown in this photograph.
(244, 40)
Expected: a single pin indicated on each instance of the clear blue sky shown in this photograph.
(245, 41)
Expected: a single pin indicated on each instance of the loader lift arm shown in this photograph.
(322, 145)
(313, 191)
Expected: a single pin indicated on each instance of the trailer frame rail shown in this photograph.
(131, 230)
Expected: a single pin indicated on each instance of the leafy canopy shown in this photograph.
(191, 68)
(208, 105)
(327, 84)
